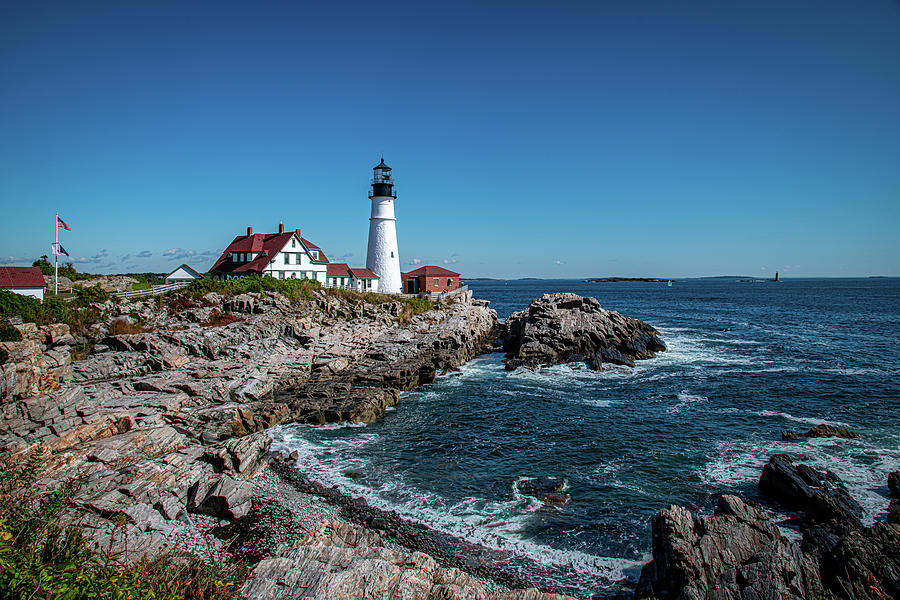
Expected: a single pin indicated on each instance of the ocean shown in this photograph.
(746, 360)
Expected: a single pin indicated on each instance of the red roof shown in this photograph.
(267, 244)
(363, 274)
(310, 246)
(337, 270)
(431, 271)
(21, 277)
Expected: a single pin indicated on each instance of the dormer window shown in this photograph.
(314, 254)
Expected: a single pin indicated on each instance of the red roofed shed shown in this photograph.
(430, 279)
(28, 281)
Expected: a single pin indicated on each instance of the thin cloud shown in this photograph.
(415, 261)
(183, 254)
(143, 254)
(15, 259)
(171, 252)
(560, 262)
(450, 261)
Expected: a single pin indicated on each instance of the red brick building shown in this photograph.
(430, 279)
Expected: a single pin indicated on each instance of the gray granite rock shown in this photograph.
(560, 328)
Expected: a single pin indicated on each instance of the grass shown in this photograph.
(41, 559)
(410, 307)
(220, 319)
(141, 285)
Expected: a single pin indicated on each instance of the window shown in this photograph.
(392, 254)
(280, 274)
(436, 281)
(293, 243)
(449, 282)
(314, 254)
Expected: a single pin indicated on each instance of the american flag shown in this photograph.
(61, 223)
(58, 249)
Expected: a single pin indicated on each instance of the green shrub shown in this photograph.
(91, 295)
(293, 288)
(28, 308)
(4, 356)
(53, 310)
(8, 333)
(44, 264)
(41, 559)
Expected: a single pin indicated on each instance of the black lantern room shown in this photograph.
(382, 184)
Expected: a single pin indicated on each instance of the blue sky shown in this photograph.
(527, 139)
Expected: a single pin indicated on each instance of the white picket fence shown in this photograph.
(153, 291)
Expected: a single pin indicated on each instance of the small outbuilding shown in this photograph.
(430, 280)
(183, 273)
(363, 280)
(27, 281)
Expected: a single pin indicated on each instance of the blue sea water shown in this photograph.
(695, 422)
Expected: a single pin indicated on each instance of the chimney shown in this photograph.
(249, 231)
(281, 228)
(298, 232)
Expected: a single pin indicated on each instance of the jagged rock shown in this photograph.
(548, 490)
(344, 562)
(865, 564)
(823, 499)
(893, 512)
(244, 456)
(894, 483)
(225, 498)
(737, 554)
(820, 431)
(559, 328)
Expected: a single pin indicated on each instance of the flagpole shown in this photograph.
(56, 257)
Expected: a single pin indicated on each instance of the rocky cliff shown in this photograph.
(741, 553)
(162, 425)
(560, 328)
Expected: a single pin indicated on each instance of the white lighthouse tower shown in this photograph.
(383, 257)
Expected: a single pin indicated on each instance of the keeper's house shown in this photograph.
(342, 275)
(283, 255)
(430, 279)
(28, 281)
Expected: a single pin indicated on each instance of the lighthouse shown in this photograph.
(383, 257)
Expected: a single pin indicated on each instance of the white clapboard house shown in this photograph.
(283, 255)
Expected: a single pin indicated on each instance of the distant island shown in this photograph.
(614, 279)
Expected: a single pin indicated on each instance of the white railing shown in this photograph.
(153, 291)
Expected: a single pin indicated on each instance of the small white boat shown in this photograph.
(669, 284)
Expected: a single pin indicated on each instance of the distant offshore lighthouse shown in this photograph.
(383, 256)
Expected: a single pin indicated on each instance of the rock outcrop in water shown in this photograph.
(820, 431)
(561, 328)
(739, 552)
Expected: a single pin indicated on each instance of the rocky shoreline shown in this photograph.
(741, 552)
(164, 427)
(163, 424)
